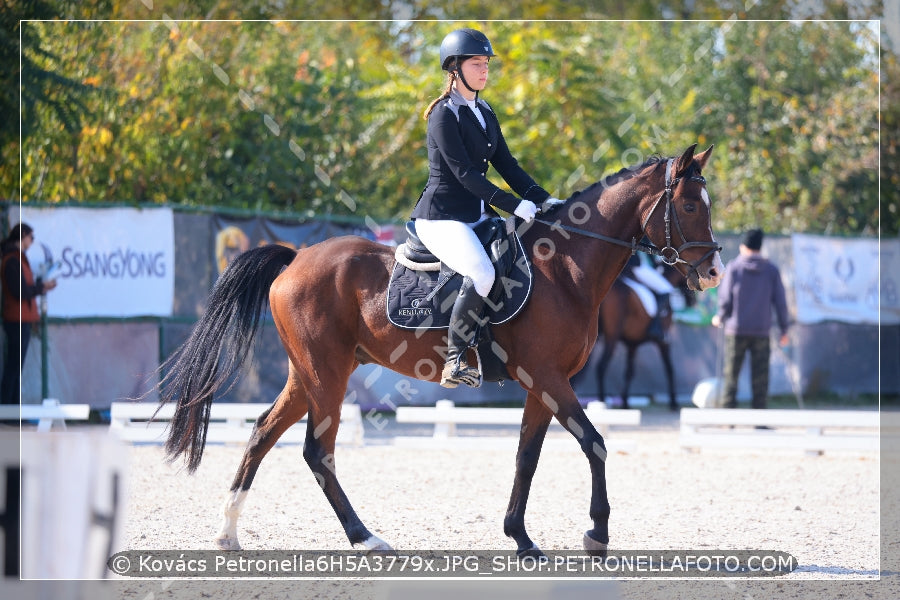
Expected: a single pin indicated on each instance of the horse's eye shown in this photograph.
(689, 207)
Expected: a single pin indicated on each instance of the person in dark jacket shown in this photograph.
(750, 290)
(19, 309)
(463, 138)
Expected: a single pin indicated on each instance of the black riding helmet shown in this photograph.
(463, 43)
(460, 44)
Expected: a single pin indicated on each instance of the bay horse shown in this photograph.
(328, 305)
(623, 318)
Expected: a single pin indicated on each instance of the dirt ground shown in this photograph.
(822, 510)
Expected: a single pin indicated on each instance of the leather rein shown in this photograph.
(669, 254)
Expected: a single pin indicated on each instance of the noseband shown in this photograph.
(669, 254)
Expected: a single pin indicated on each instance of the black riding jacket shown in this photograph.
(459, 152)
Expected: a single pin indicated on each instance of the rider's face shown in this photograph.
(475, 71)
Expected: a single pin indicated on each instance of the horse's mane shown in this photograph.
(623, 174)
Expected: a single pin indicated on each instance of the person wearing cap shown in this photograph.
(19, 306)
(750, 290)
(463, 139)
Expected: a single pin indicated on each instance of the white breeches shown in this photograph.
(646, 281)
(457, 246)
(644, 294)
(653, 279)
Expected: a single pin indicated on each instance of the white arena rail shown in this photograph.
(445, 416)
(811, 430)
(48, 414)
(229, 423)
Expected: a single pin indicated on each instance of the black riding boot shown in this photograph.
(655, 329)
(464, 321)
(663, 308)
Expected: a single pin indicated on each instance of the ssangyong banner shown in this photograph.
(110, 262)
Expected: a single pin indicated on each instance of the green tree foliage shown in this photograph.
(797, 106)
(34, 82)
(326, 117)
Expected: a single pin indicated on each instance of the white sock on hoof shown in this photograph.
(373, 543)
(227, 538)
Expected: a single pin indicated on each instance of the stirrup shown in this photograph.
(458, 371)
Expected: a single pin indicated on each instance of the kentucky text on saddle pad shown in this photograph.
(421, 292)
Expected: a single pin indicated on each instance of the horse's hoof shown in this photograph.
(225, 542)
(593, 547)
(533, 552)
(373, 544)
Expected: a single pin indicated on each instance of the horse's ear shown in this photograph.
(682, 164)
(704, 156)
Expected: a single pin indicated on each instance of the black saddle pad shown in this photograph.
(419, 299)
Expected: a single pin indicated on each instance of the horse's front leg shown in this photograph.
(631, 351)
(666, 354)
(535, 420)
(609, 346)
(561, 400)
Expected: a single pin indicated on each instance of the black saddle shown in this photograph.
(414, 249)
(422, 290)
(487, 232)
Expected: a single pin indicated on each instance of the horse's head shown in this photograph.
(679, 222)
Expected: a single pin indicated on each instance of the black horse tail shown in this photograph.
(217, 347)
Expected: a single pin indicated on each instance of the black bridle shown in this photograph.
(669, 254)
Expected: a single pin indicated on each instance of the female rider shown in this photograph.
(463, 138)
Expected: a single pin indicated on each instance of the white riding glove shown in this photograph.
(551, 203)
(526, 210)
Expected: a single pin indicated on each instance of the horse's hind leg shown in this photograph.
(535, 420)
(318, 451)
(287, 410)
